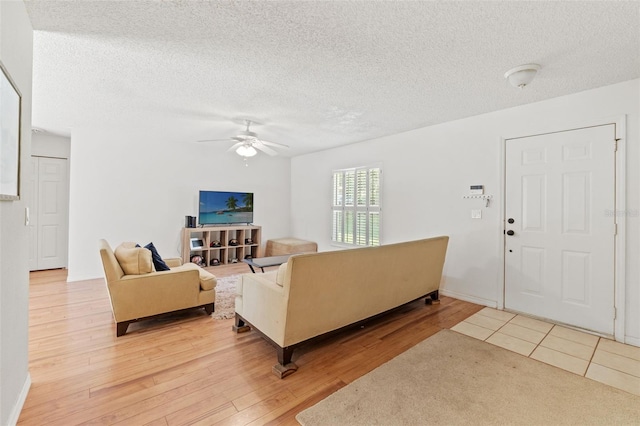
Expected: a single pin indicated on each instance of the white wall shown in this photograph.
(16, 52)
(427, 171)
(50, 145)
(122, 188)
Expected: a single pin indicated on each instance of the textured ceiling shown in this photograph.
(316, 74)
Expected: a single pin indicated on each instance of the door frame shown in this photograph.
(32, 211)
(620, 255)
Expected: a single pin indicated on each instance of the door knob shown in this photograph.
(510, 232)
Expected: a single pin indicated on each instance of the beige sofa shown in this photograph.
(137, 291)
(317, 293)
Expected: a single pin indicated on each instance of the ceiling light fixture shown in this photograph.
(246, 151)
(522, 76)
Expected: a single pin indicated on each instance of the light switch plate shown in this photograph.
(476, 214)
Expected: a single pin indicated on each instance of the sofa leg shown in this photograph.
(433, 298)
(284, 367)
(240, 326)
(209, 308)
(121, 328)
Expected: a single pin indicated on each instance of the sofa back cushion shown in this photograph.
(134, 260)
(329, 290)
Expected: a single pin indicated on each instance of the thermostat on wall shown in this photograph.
(476, 189)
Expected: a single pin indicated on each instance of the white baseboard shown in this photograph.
(15, 412)
(467, 298)
(74, 278)
(633, 341)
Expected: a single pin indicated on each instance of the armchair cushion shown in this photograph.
(134, 260)
(280, 276)
(158, 263)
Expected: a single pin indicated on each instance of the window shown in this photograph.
(356, 206)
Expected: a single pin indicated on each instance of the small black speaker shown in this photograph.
(189, 221)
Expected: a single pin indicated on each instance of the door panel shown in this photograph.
(559, 262)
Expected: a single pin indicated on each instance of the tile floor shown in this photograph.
(597, 358)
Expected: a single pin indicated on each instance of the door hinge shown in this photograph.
(615, 229)
(615, 313)
(615, 145)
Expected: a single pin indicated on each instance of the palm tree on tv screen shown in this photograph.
(232, 203)
(247, 199)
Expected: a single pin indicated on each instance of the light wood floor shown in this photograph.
(190, 368)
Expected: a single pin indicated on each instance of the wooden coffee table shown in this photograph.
(265, 262)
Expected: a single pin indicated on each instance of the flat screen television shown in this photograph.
(223, 208)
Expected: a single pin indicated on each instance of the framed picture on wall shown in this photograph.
(10, 106)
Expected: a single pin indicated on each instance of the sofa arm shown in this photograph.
(263, 304)
(173, 262)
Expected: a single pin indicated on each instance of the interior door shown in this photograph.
(560, 230)
(49, 208)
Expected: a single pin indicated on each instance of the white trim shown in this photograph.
(620, 281)
(467, 298)
(620, 241)
(17, 409)
(501, 246)
(75, 278)
(635, 341)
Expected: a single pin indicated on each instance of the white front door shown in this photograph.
(560, 238)
(49, 206)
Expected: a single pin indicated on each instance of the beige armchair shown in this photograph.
(138, 292)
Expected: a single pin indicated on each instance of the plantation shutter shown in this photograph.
(356, 206)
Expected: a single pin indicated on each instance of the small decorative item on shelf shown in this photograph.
(233, 242)
(214, 262)
(198, 260)
(248, 256)
(248, 241)
(233, 260)
(215, 243)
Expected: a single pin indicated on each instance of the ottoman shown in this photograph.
(282, 246)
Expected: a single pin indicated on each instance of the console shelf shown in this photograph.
(201, 241)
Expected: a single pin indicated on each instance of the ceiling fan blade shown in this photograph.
(235, 146)
(214, 140)
(278, 145)
(262, 147)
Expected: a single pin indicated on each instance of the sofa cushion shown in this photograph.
(134, 260)
(158, 263)
(282, 272)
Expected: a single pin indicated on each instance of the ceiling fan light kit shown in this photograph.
(246, 151)
(247, 144)
(522, 75)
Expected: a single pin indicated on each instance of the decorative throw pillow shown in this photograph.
(133, 260)
(159, 264)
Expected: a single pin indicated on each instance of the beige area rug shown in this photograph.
(225, 304)
(452, 379)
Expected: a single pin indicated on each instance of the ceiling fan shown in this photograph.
(247, 143)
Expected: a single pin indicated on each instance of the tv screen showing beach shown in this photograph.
(220, 208)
